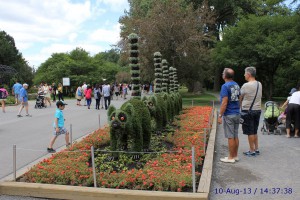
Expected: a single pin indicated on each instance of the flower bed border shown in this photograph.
(77, 192)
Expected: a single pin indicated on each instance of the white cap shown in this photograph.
(25, 84)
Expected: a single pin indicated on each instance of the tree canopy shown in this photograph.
(266, 42)
(10, 56)
(80, 67)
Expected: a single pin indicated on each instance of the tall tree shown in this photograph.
(10, 55)
(173, 28)
(266, 42)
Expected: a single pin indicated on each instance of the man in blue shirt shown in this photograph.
(58, 125)
(230, 112)
(23, 98)
(16, 91)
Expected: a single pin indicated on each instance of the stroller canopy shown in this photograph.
(272, 110)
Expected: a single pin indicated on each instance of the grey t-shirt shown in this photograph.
(248, 91)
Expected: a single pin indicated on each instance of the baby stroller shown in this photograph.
(40, 103)
(270, 124)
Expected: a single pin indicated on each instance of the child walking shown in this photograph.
(58, 126)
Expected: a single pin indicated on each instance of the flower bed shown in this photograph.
(165, 172)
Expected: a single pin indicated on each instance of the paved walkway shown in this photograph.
(274, 174)
(32, 134)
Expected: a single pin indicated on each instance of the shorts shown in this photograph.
(250, 125)
(17, 96)
(231, 125)
(25, 103)
(2, 99)
(117, 93)
(62, 130)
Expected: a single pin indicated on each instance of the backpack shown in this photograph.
(3, 94)
(79, 93)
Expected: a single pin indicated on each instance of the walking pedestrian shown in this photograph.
(230, 112)
(97, 96)
(79, 95)
(24, 100)
(88, 96)
(16, 91)
(106, 94)
(250, 101)
(3, 97)
(84, 87)
(47, 92)
(54, 91)
(117, 90)
(58, 125)
(60, 92)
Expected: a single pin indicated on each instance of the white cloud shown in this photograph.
(104, 35)
(43, 27)
(115, 5)
(72, 37)
(42, 21)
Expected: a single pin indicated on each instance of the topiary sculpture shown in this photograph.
(134, 65)
(130, 123)
(165, 80)
(158, 72)
(156, 113)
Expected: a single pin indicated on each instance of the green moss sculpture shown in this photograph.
(134, 65)
(130, 123)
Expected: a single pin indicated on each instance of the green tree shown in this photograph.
(10, 55)
(266, 42)
(173, 28)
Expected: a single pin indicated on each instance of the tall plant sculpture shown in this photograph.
(175, 80)
(165, 81)
(134, 65)
(171, 79)
(158, 72)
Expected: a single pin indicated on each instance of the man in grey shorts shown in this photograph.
(230, 112)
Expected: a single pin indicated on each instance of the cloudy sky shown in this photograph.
(43, 27)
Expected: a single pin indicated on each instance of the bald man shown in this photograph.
(230, 113)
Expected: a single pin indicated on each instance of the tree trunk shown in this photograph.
(217, 79)
(194, 87)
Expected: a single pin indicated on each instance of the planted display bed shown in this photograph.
(167, 167)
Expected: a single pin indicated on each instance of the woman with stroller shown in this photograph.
(293, 113)
(47, 92)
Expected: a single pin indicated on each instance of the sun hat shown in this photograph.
(292, 91)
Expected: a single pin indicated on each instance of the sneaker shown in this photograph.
(68, 145)
(28, 115)
(249, 153)
(257, 152)
(226, 160)
(19, 116)
(51, 150)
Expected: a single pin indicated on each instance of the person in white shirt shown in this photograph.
(84, 87)
(106, 94)
(293, 113)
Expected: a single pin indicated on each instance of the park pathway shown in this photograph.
(32, 134)
(274, 174)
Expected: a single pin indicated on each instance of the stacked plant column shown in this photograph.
(158, 73)
(134, 65)
(175, 80)
(165, 81)
(171, 78)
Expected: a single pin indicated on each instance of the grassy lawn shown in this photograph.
(196, 99)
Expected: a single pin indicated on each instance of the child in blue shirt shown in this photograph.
(58, 126)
